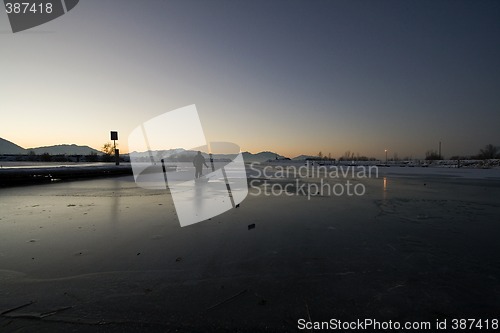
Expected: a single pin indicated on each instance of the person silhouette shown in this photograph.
(198, 163)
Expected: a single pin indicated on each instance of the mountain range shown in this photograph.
(183, 155)
(10, 148)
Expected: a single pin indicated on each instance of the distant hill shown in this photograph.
(7, 147)
(303, 157)
(261, 157)
(64, 150)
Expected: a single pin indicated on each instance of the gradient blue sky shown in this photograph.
(295, 77)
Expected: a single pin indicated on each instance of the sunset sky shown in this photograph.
(294, 77)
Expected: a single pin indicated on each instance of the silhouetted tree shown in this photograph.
(92, 157)
(108, 148)
(46, 157)
(488, 152)
(432, 155)
(109, 151)
(347, 155)
(32, 155)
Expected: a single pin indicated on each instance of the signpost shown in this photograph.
(114, 137)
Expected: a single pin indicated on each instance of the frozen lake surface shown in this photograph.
(418, 245)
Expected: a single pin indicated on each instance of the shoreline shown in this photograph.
(44, 175)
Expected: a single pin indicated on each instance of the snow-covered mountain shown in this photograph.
(64, 150)
(10, 148)
(7, 147)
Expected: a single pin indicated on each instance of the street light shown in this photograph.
(386, 157)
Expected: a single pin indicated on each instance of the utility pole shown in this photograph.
(440, 157)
